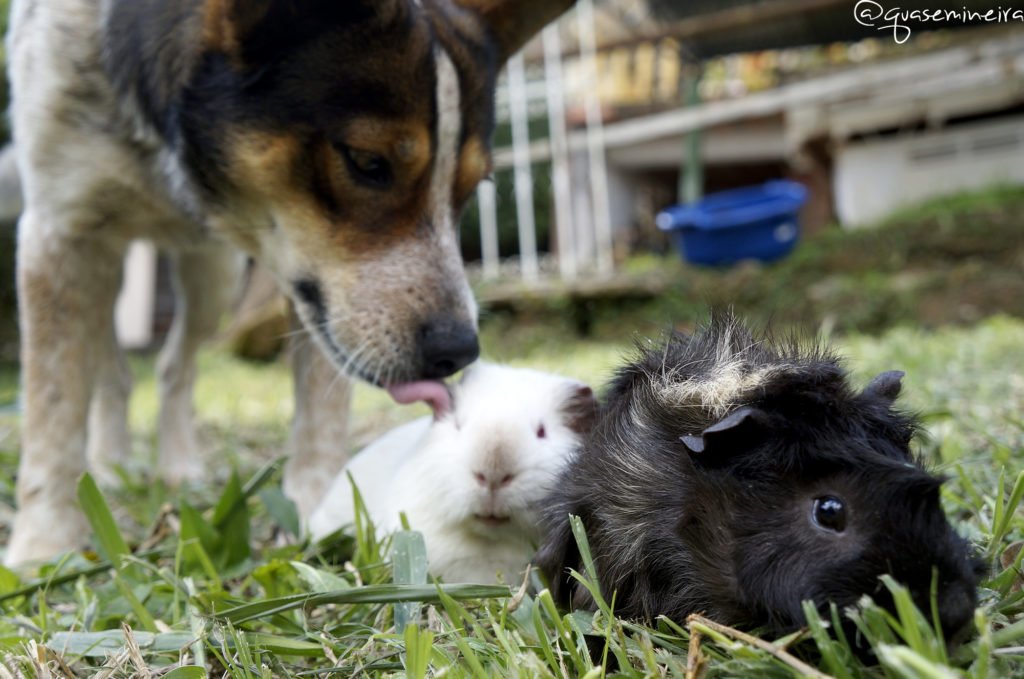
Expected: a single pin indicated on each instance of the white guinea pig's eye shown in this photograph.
(830, 513)
(541, 431)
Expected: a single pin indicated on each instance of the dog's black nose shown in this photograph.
(446, 346)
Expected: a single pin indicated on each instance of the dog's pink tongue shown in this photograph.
(435, 394)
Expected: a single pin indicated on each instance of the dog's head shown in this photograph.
(337, 140)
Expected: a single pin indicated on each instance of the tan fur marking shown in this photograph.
(720, 392)
(474, 165)
(224, 25)
(262, 160)
(371, 221)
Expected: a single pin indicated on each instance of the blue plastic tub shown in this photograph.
(755, 222)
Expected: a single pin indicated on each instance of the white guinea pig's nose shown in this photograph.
(492, 480)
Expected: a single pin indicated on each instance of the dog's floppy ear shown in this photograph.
(227, 22)
(249, 29)
(513, 22)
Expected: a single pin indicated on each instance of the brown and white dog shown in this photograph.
(332, 140)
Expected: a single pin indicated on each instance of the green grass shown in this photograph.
(211, 580)
(207, 577)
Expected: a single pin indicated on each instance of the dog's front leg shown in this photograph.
(319, 437)
(67, 288)
(109, 442)
(205, 282)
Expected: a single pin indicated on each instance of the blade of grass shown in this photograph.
(231, 522)
(368, 547)
(827, 646)
(109, 541)
(980, 666)
(409, 563)
(54, 580)
(186, 672)
(1004, 513)
(457, 612)
(196, 623)
(101, 644)
(552, 654)
(262, 476)
(716, 631)
(275, 643)
(143, 615)
(912, 622)
(369, 594)
(565, 636)
(319, 580)
(907, 663)
(418, 647)
(1008, 635)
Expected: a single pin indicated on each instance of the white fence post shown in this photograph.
(561, 184)
(595, 139)
(487, 204)
(523, 176)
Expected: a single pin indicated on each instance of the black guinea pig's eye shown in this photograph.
(371, 169)
(830, 513)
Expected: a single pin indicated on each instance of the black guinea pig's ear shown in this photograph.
(579, 409)
(734, 433)
(887, 385)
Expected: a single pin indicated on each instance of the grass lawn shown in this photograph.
(211, 580)
(222, 585)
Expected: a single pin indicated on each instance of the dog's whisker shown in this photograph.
(350, 369)
(292, 334)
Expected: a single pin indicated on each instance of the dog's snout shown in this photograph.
(446, 346)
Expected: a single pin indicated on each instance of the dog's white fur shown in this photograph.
(69, 278)
(444, 474)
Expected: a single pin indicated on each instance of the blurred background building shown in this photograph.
(626, 106)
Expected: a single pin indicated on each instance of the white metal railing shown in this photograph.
(582, 228)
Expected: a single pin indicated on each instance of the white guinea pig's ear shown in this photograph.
(887, 385)
(579, 410)
(736, 432)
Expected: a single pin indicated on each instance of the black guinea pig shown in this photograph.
(736, 476)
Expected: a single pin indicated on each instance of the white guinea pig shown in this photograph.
(471, 479)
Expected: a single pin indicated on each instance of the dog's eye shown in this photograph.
(371, 169)
(541, 431)
(830, 513)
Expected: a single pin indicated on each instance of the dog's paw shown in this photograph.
(182, 471)
(303, 488)
(43, 531)
(180, 459)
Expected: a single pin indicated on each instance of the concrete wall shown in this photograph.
(874, 178)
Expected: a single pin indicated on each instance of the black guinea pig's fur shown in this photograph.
(697, 490)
